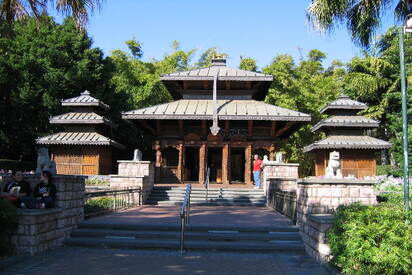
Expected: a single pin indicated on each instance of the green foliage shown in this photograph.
(248, 64)
(96, 181)
(362, 18)
(39, 66)
(100, 205)
(371, 239)
(8, 220)
(388, 170)
(9, 164)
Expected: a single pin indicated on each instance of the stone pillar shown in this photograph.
(226, 164)
(248, 164)
(180, 165)
(202, 163)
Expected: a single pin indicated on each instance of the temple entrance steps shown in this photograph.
(173, 195)
(203, 238)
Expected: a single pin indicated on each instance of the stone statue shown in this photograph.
(279, 157)
(137, 155)
(44, 163)
(265, 158)
(333, 169)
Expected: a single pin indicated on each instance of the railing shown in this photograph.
(285, 203)
(110, 200)
(207, 183)
(184, 216)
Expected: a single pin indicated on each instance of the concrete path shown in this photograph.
(79, 261)
(199, 215)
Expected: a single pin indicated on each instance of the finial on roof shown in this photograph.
(86, 92)
(218, 59)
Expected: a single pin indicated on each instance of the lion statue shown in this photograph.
(44, 163)
(333, 169)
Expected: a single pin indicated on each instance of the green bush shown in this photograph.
(101, 205)
(389, 170)
(96, 181)
(8, 222)
(371, 239)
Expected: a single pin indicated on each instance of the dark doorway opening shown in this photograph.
(191, 164)
(237, 165)
(214, 162)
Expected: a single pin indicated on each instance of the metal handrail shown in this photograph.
(184, 216)
(207, 183)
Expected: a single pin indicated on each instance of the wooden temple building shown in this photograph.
(85, 146)
(345, 132)
(183, 144)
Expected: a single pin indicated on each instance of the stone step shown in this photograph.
(131, 243)
(214, 235)
(193, 197)
(191, 228)
(178, 203)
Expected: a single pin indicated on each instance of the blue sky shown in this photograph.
(260, 29)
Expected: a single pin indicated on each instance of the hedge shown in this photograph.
(372, 239)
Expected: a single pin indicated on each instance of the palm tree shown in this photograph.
(362, 17)
(11, 10)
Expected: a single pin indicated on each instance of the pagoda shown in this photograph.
(217, 121)
(345, 131)
(84, 147)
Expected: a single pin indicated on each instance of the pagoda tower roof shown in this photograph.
(344, 103)
(85, 100)
(346, 121)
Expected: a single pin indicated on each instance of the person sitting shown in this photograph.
(16, 189)
(44, 193)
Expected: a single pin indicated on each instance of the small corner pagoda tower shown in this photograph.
(345, 132)
(83, 148)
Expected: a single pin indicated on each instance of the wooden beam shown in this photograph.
(227, 126)
(227, 85)
(147, 126)
(204, 129)
(180, 128)
(206, 85)
(273, 129)
(250, 127)
(158, 127)
(287, 126)
(185, 85)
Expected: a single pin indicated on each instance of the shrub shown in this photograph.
(9, 164)
(102, 205)
(389, 170)
(96, 181)
(371, 239)
(8, 222)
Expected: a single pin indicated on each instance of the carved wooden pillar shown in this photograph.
(202, 163)
(250, 128)
(248, 164)
(158, 163)
(204, 129)
(180, 165)
(226, 164)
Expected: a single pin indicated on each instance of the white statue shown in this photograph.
(333, 169)
(265, 158)
(279, 157)
(44, 163)
(137, 155)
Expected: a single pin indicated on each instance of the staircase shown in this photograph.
(235, 239)
(166, 195)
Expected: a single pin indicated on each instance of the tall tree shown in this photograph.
(39, 66)
(11, 10)
(362, 17)
(248, 64)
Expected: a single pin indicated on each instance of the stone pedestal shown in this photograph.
(135, 174)
(280, 176)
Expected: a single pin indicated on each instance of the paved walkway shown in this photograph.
(199, 215)
(79, 261)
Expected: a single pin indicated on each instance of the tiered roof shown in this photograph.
(86, 117)
(345, 118)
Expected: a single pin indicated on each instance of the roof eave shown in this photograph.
(86, 104)
(342, 107)
(223, 78)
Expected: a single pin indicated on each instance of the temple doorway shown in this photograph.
(237, 165)
(191, 164)
(214, 162)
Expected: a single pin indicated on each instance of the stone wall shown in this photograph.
(42, 229)
(317, 197)
(135, 174)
